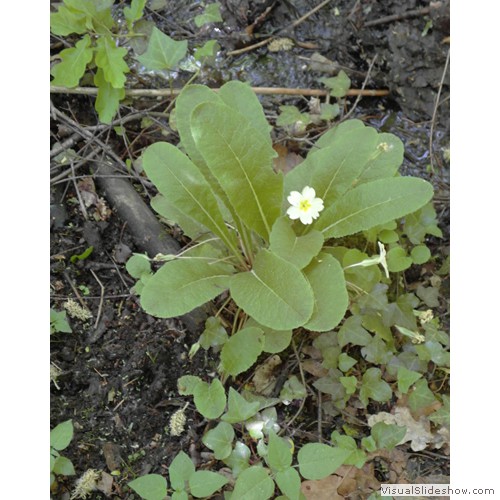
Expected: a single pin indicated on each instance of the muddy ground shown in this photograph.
(119, 370)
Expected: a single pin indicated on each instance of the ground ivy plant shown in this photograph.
(316, 250)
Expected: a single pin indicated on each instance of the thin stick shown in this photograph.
(101, 300)
(257, 90)
(320, 423)
(434, 113)
(398, 17)
(303, 402)
(362, 88)
(75, 291)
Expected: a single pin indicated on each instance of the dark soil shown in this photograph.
(119, 370)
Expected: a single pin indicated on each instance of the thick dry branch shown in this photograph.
(257, 90)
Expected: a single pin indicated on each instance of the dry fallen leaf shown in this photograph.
(264, 379)
(286, 160)
(348, 483)
(417, 431)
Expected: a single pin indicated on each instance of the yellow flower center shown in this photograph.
(304, 205)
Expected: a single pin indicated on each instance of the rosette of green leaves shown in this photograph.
(223, 191)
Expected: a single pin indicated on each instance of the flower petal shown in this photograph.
(309, 193)
(294, 198)
(294, 212)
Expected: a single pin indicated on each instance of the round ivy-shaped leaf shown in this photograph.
(288, 482)
(318, 460)
(210, 399)
(280, 453)
(150, 486)
(61, 435)
(397, 260)
(253, 483)
(138, 265)
(204, 483)
(374, 387)
(420, 254)
(238, 408)
(220, 440)
(388, 236)
(180, 470)
(63, 466)
(388, 436)
(406, 378)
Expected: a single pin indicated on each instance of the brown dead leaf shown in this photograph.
(286, 160)
(348, 483)
(89, 196)
(86, 187)
(105, 484)
(322, 489)
(314, 368)
(417, 431)
(312, 352)
(264, 379)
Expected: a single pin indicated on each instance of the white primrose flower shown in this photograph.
(305, 205)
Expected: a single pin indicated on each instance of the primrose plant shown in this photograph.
(266, 240)
(280, 254)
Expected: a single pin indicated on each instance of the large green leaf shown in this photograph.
(168, 210)
(241, 161)
(274, 292)
(110, 59)
(339, 133)
(190, 97)
(374, 203)
(385, 160)
(181, 182)
(326, 277)
(73, 63)
(240, 97)
(298, 250)
(163, 52)
(182, 285)
(332, 170)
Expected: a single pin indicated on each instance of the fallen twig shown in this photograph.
(101, 300)
(257, 90)
(351, 111)
(397, 17)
